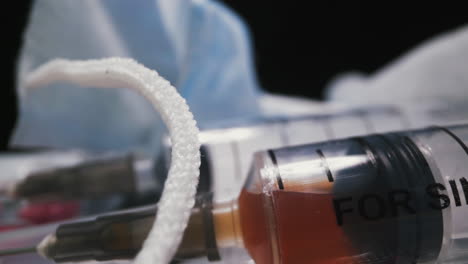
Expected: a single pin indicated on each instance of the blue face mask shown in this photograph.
(201, 47)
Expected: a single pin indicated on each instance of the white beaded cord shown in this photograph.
(179, 191)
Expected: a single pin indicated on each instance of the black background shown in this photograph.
(299, 45)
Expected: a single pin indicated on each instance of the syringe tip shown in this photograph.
(46, 246)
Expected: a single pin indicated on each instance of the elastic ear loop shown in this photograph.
(177, 198)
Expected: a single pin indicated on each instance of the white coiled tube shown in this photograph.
(178, 196)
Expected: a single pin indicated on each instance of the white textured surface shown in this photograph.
(180, 187)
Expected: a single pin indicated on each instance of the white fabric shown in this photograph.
(434, 72)
(178, 196)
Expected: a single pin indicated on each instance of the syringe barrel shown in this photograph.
(388, 198)
(228, 149)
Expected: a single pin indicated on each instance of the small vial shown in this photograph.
(384, 198)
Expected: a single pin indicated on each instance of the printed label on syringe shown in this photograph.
(399, 201)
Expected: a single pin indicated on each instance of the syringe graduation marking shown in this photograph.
(364, 116)
(463, 181)
(455, 137)
(328, 129)
(275, 163)
(325, 165)
(237, 159)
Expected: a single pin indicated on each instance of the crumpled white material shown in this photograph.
(198, 45)
(435, 72)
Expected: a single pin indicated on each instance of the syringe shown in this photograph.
(385, 198)
(227, 151)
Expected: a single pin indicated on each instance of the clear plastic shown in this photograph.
(228, 148)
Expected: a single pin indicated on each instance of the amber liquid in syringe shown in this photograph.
(305, 228)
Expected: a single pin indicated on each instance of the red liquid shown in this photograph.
(305, 224)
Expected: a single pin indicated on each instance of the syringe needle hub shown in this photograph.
(46, 246)
(120, 235)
